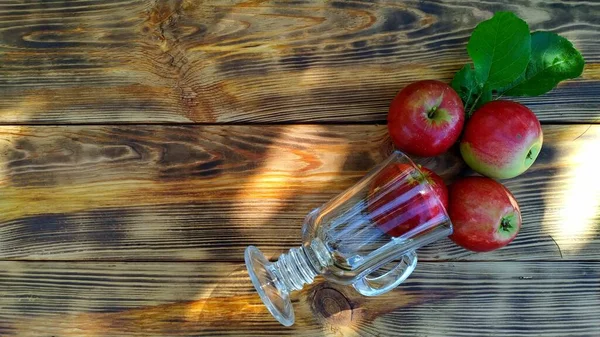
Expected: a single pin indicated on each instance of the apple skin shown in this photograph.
(502, 139)
(438, 185)
(410, 213)
(485, 215)
(426, 118)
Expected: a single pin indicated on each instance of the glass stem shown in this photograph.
(293, 270)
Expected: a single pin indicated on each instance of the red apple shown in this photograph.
(438, 185)
(484, 214)
(404, 214)
(502, 139)
(426, 118)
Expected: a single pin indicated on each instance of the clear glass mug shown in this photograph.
(365, 237)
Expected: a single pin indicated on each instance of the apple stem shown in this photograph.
(472, 107)
(529, 154)
(505, 224)
(431, 112)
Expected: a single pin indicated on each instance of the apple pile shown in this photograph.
(497, 138)
(501, 140)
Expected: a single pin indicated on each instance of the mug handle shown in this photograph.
(377, 285)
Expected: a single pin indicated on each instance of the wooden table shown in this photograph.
(145, 144)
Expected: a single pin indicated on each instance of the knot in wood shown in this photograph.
(332, 306)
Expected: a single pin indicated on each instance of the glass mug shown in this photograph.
(365, 237)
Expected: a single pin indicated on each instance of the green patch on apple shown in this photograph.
(508, 224)
(521, 162)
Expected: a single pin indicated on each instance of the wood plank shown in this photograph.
(206, 192)
(209, 299)
(125, 61)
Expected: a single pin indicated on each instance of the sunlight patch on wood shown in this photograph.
(580, 200)
(29, 105)
(10, 134)
(286, 169)
(217, 299)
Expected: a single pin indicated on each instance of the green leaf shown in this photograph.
(472, 94)
(486, 96)
(465, 85)
(500, 48)
(553, 59)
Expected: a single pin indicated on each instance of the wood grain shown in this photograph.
(139, 230)
(206, 192)
(209, 299)
(183, 61)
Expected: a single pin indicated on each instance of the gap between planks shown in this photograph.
(275, 123)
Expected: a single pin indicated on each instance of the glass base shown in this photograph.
(269, 287)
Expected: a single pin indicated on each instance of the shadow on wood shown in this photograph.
(184, 61)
